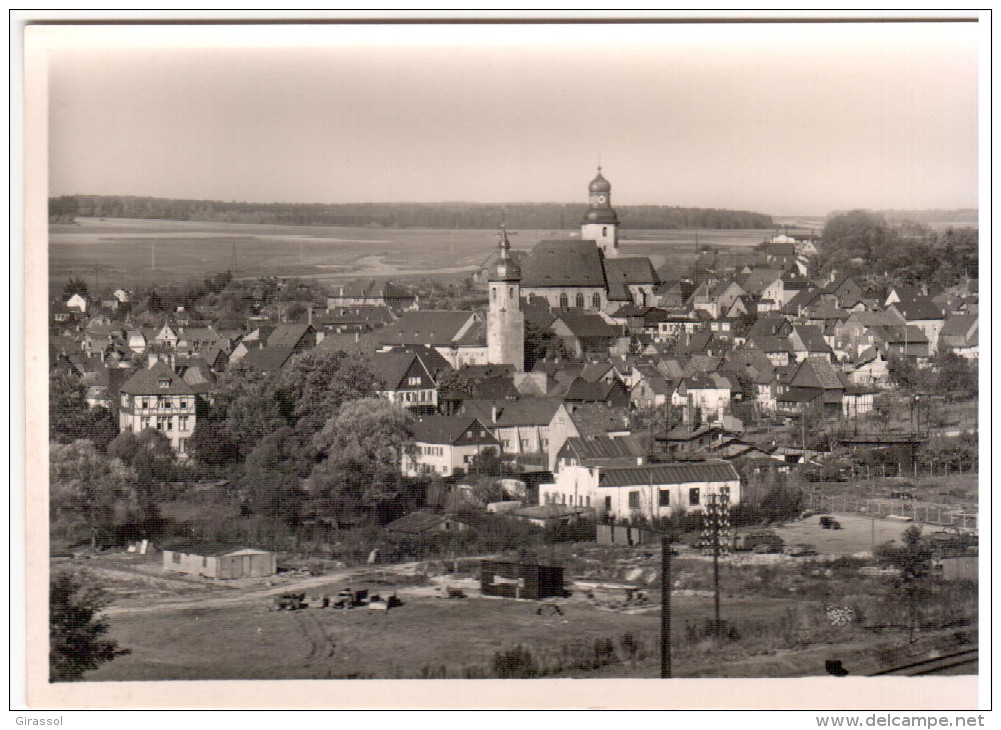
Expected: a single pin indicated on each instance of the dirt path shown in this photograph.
(251, 594)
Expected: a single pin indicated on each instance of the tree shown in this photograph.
(487, 463)
(87, 485)
(75, 285)
(76, 643)
(151, 457)
(540, 343)
(956, 377)
(246, 407)
(213, 445)
(316, 383)
(914, 562)
(70, 418)
(855, 234)
(361, 450)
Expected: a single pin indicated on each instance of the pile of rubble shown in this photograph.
(343, 600)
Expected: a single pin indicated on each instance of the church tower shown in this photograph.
(601, 224)
(505, 320)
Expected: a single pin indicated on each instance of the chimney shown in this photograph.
(494, 413)
(309, 319)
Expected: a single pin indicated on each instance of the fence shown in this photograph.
(927, 514)
(896, 469)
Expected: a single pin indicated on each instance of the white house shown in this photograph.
(77, 302)
(650, 491)
(159, 398)
(447, 444)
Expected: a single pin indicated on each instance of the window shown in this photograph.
(634, 500)
(144, 422)
(182, 423)
(587, 501)
(184, 402)
(205, 562)
(145, 402)
(665, 497)
(580, 301)
(493, 293)
(161, 423)
(175, 557)
(414, 380)
(170, 423)
(604, 230)
(596, 301)
(608, 504)
(564, 302)
(125, 400)
(465, 459)
(164, 383)
(182, 446)
(693, 497)
(510, 293)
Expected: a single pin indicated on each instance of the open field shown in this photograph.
(120, 251)
(189, 628)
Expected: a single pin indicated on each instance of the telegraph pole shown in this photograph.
(716, 538)
(665, 608)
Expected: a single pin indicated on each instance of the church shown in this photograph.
(589, 273)
(585, 274)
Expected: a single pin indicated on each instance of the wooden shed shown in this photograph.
(521, 580)
(220, 561)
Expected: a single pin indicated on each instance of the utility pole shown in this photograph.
(716, 538)
(665, 608)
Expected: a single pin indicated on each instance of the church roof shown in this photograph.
(631, 270)
(599, 184)
(564, 262)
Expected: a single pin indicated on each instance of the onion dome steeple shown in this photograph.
(507, 268)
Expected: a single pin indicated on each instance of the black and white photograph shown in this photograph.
(510, 350)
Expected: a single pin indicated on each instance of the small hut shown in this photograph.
(220, 561)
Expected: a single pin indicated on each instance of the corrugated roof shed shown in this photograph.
(680, 473)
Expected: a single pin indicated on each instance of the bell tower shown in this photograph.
(601, 224)
(505, 320)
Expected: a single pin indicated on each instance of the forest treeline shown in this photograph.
(394, 215)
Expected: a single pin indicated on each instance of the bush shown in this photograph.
(515, 663)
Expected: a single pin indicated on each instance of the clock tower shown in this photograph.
(505, 320)
(601, 224)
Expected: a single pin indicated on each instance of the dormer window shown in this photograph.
(164, 383)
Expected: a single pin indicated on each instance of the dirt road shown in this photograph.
(252, 594)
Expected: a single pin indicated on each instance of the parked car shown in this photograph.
(829, 523)
(760, 541)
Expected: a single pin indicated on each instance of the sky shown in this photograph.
(777, 118)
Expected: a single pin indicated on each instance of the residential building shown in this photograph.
(447, 445)
(159, 398)
(651, 492)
